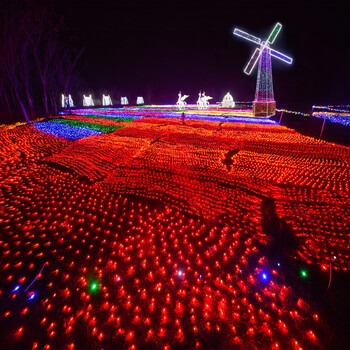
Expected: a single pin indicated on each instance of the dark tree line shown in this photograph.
(38, 59)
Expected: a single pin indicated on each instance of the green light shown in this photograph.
(304, 273)
(274, 33)
(93, 287)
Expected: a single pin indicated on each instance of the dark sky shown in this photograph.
(156, 48)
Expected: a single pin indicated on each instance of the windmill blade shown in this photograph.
(281, 56)
(246, 36)
(252, 62)
(274, 33)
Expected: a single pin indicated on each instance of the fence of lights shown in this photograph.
(124, 100)
(106, 100)
(67, 101)
(140, 100)
(88, 101)
(335, 114)
(293, 112)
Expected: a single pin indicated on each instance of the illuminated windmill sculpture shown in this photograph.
(264, 104)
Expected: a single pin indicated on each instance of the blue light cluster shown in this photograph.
(16, 288)
(335, 114)
(32, 296)
(65, 131)
(264, 276)
(334, 118)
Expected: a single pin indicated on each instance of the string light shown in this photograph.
(152, 217)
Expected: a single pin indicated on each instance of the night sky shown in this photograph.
(156, 48)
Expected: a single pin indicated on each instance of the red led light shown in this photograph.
(153, 214)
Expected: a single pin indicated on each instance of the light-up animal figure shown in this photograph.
(203, 101)
(181, 103)
(227, 101)
(200, 101)
(124, 101)
(140, 100)
(106, 100)
(87, 101)
(67, 101)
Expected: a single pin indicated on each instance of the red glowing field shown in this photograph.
(168, 236)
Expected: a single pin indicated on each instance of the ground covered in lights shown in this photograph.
(148, 233)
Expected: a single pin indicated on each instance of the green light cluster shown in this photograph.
(93, 287)
(303, 273)
(95, 126)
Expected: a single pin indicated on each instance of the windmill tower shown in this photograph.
(264, 104)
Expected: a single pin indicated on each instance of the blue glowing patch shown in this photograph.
(264, 276)
(65, 131)
(16, 288)
(32, 297)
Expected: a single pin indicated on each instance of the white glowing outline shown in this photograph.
(181, 103)
(88, 101)
(140, 100)
(203, 101)
(124, 101)
(263, 45)
(227, 101)
(106, 100)
(65, 100)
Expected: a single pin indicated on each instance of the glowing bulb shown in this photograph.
(32, 296)
(16, 288)
(94, 287)
(303, 273)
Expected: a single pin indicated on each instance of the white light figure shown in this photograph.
(264, 104)
(203, 101)
(106, 100)
(228, 102)
(124, 101)
(181, 103)
(65, 101)
(200, 101)
(87, 101)
(140, 100)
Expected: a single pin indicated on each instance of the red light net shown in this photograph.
(154, 236)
